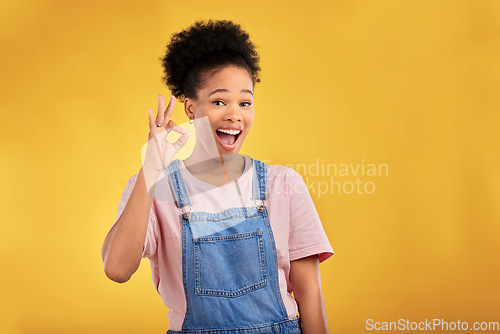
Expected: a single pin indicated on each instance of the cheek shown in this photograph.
(203, 112)
(249, 118)
(213, 119)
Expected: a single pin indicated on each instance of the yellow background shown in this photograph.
(410, 84)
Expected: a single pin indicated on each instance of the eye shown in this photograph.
(218, 101)
(247, 104)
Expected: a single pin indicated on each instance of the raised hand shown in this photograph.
(159, 151)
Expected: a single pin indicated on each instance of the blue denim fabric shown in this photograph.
(291, 326)
(230, 266)
(177, 183)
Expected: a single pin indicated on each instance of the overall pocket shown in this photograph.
(229, 265)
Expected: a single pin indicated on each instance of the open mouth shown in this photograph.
(227, 138)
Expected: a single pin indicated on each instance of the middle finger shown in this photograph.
(170, 108)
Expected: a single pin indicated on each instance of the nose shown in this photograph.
(234, 114)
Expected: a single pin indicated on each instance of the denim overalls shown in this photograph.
(230, 266)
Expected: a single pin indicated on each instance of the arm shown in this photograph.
(123, 246)
(306, 284)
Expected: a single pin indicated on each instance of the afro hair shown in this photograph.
(202, 47)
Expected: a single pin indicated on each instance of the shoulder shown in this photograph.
(284, 180)
(128, 183)
(133, 178)
(282, 172)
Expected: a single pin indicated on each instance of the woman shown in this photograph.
(229, 238)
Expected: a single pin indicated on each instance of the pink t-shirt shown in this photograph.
(295, 223)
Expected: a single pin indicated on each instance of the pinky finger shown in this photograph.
(151, 115)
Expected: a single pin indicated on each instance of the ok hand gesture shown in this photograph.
(159, 151)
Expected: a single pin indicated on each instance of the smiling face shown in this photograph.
(226, 99)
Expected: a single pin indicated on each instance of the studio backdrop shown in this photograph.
(388, 110)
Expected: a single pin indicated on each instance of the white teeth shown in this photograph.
(231, 132)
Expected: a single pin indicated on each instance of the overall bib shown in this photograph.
(230, 266)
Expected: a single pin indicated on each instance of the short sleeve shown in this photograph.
(307, 236)
(150, 242)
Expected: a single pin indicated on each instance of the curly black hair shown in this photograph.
(202, 47)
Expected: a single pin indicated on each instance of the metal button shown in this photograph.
(260, 208)
(186, 215)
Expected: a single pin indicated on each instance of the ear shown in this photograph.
(189, 108)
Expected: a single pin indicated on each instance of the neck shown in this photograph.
(226, 166)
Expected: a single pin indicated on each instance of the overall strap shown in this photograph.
(259, 179)
(177, 183)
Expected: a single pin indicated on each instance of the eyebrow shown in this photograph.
(226, 90)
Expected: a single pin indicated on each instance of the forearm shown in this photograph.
(306, 284)
(123, 246)
(312, 312)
